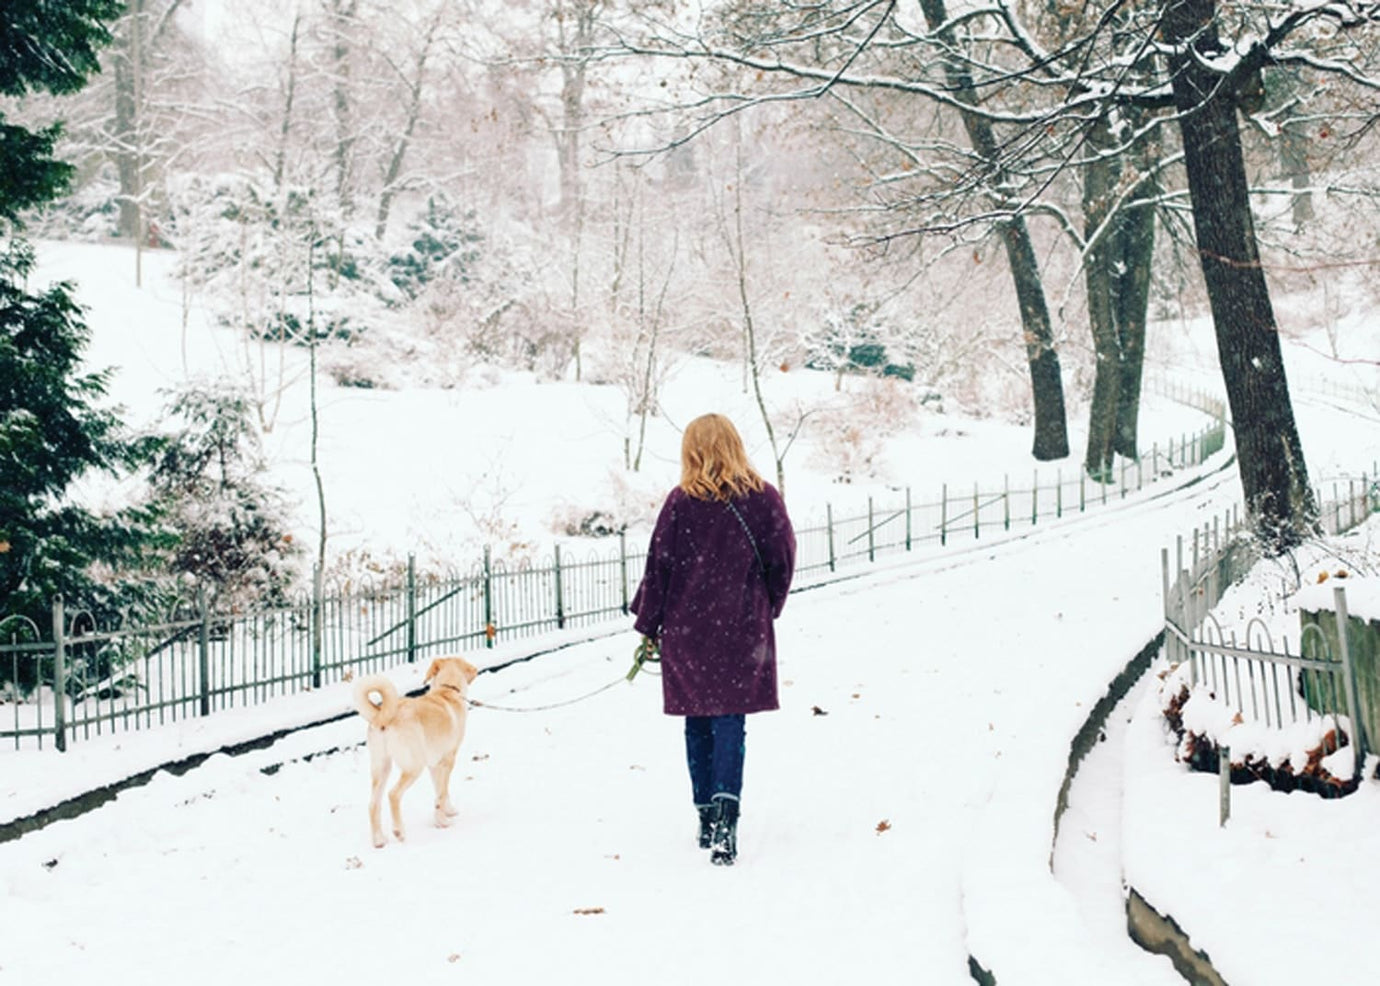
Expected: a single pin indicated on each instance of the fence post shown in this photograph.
(944, 514)
(871, 533)
(1223, 785)
(318, 623)
(1058, 493)
(411, 609)
(829, 526)
(1035, 498)
(908, 531)
(1082, 490)
(59, 675)
(560, 598)
(977, 522)
(623, 567)
(1006, 501)
(203, 643)
(490, 631)
(1171, 642)
(1353, 706)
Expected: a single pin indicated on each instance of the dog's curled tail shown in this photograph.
(379, 713)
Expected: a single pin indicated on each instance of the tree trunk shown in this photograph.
(1134, 255)
(575, 24)
(1135, 243)
(289, 96)
(1274, 476)
(342, 23)
(1047, 386)
(1099, 275)
(126, 61)
(414, 114)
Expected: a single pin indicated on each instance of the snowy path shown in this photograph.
(909, 823)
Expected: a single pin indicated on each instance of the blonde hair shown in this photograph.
(714, 464)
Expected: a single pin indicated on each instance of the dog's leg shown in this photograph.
(405, 780)
(380, 765)
(440, 778)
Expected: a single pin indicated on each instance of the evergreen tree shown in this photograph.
(52, 430)
(231, 525)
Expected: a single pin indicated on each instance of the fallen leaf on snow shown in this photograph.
(883, 826)
(589, 910)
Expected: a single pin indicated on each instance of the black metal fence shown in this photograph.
(127, 674)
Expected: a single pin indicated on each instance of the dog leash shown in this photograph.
(543, 708)
(647, 652)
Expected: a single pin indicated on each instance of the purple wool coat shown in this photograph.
(707, 600)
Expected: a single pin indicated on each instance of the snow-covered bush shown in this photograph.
(231, 527)
(852, 338)
(850, 435)
(445, 244)
(88, 214)
(1315, 754)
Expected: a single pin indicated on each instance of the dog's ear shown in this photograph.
(432, 671)
(471, 672)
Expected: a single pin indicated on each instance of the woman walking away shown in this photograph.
(718, 570)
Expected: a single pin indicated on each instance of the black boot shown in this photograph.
(708, 815)
(723, 849)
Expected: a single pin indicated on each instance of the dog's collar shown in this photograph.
(454, 688)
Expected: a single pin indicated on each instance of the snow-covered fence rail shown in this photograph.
(967, 513)
(94, 677)
(1247, 675)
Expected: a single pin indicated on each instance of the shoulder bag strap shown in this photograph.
(751, 540)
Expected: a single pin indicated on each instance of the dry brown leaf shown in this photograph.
(883, 826)
(589, 910)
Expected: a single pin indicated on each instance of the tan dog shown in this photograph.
(415, 733)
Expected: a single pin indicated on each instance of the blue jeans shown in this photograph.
(714, 748)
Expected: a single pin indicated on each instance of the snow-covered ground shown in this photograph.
(898, 811)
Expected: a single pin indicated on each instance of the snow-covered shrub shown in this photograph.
(627, 501)
(499, 313)
(851, 435)
(274, 262)
(89, 214)
(1311, 755)
(231, 527)
(445, 244)
(853, 339)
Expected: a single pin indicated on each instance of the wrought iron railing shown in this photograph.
(126, 674)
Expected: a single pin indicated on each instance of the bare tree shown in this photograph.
(1043, 106)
